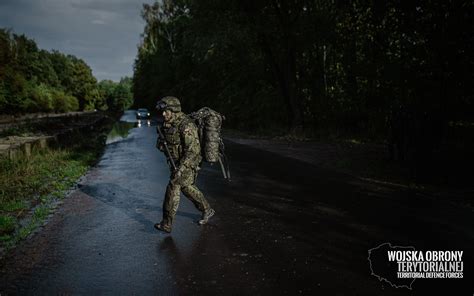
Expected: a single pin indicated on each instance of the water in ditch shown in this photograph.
(120, 130)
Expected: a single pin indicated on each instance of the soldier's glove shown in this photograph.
(160, 145)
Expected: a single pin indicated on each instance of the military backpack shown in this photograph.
(209, 124)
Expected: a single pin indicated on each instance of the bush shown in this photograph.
(7, 224)
(72, 103)
(63, 102)
(41, 96)
(16, 90)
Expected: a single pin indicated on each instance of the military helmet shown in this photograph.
(169, 103)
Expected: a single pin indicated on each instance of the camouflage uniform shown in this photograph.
(181, 135)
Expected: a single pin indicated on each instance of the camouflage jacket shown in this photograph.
(181, 135)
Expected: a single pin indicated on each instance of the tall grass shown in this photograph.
(33, 182)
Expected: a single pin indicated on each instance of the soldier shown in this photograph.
(181, 138)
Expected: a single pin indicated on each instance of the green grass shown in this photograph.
(35, 182)
(13, 206)
(7, 224)
(23, 233)
(41, 212)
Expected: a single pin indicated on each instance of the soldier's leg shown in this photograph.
(196, 196)
(191, 191)
(171, 203)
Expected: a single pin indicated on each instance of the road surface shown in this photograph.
(282, 226)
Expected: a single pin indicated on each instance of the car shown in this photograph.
(143, 113)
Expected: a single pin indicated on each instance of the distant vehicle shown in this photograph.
(143, 113)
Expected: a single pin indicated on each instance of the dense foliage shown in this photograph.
(35, 80)
(399, 72)
(117, 96)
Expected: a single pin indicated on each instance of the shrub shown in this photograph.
(7, 224)
(63, 102)
(72, 103)
(42, 97)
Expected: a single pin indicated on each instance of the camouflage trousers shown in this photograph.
(185, 184)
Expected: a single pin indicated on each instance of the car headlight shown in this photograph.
(148, 114)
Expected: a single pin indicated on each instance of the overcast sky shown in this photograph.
(104, 33)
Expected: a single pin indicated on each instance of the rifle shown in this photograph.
(166, 147)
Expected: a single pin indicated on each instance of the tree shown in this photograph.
(396, 72)
(118, 96)
(34, 80)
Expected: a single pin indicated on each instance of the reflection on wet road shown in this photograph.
(121, 128)
(141, 122)
(281, 227)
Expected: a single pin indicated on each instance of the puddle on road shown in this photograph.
(119, 131)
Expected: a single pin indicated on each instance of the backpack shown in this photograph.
(209, 123)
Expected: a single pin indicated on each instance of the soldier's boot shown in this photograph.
(206, 215)
(196, 196)
(163, 227)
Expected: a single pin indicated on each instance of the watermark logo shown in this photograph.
(401, 265)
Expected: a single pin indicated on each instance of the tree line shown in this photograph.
(397, 71)
(36, 80)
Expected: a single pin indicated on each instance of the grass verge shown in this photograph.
(28, 187)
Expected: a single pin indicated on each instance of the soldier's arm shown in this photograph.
(191, 147)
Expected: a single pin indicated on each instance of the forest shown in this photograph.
(399, 72)
(36, 80)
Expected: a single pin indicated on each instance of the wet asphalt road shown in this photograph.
(281, 227)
